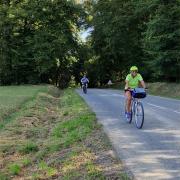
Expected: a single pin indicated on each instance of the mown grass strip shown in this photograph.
(15, 99)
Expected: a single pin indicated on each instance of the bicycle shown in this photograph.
(137, 109)
(84, 88)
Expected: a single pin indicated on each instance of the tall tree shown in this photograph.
(39, 39)
(136, 32)
(161, 40)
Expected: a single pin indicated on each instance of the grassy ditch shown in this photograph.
(56, 136)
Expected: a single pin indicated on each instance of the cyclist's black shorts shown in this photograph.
(128, 90)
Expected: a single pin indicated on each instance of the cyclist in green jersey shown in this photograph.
(133, 80)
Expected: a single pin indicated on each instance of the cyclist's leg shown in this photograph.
(128, 101)
(128, 112)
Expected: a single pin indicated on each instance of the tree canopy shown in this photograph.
(144, 33)
(39, 40)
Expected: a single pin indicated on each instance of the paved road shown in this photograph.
(152, 153)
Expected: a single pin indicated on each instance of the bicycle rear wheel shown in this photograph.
(84, 89)
(139, 115)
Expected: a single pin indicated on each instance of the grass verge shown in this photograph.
(12, 99)
(57, 137)
(171, 90)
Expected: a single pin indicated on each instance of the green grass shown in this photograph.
(93, 171)
(47, 169)
(14, 169)
(29, 147)
(3, 176)
(26, 162)
(13, 97)
(79, 123)
(55, 136)
(74, 130)
(171, 90)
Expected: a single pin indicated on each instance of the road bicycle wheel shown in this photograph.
(133, 105)
(139, 115)
(84, 89)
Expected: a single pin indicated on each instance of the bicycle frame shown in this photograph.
(138, 112)
(134, 102)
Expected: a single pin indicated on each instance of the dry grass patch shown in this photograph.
(165, 89)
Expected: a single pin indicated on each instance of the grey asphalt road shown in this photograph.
(151, 153)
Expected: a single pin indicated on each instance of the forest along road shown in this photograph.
(151, 153)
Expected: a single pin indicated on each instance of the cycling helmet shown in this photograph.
(133, 68)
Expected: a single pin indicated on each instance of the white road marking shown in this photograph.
(157, 106)
(177, 112)
(160, 107)
(166, 98)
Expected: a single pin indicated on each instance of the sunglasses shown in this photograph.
(133, 71)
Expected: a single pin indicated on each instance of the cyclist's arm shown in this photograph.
(143, 84)
(127, 84)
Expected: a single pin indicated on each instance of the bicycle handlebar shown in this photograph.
(130, 89)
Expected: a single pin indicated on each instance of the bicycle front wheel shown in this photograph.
(84, 89)
(139, 115)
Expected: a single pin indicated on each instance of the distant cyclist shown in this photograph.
(84, 80)
(133, 80)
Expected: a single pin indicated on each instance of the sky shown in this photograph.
(85, 34)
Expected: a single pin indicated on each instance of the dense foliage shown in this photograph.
(38, 41)
(145, 33)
